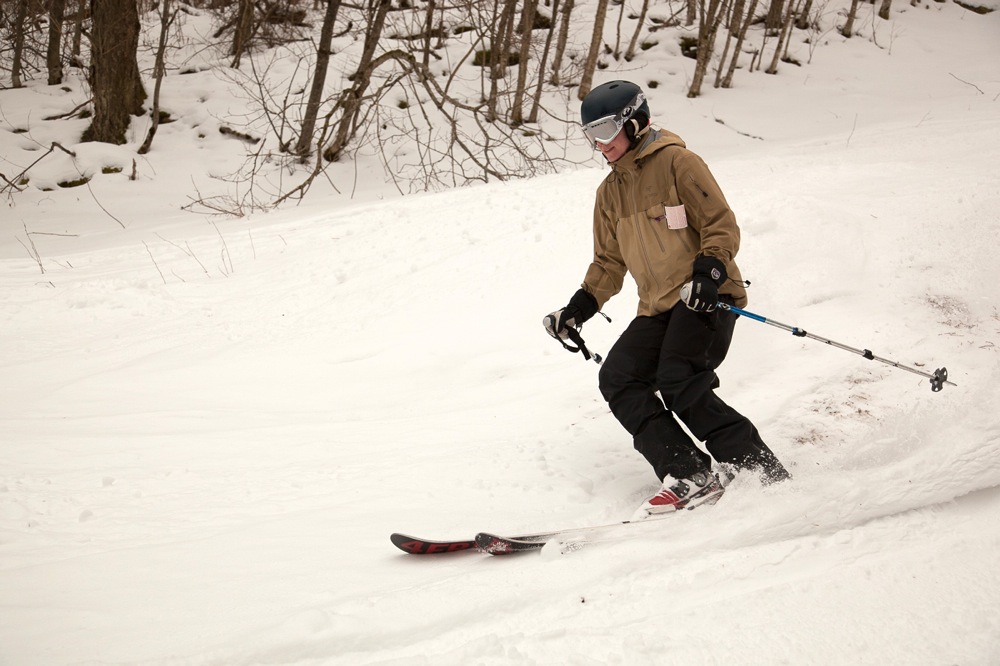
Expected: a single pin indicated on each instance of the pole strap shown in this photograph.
(581, 346)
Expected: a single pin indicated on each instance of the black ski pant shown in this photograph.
(676, 353)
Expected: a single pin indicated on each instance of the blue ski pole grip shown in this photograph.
(742, 313)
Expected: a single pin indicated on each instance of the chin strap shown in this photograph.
(635, 133)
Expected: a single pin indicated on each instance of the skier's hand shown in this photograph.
(557, 322)
(581, 307)
(701, 294)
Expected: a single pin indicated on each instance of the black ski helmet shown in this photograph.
(617, 98)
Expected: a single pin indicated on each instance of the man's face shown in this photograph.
(615, 149)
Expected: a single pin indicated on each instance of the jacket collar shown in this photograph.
(652, 141)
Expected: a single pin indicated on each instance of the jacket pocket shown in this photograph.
(676, 217)
(668, 225)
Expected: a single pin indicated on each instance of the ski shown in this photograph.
(496, 544)
(418, 546)
(572, 538)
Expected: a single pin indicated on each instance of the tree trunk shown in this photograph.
(630, 52)
(350, 100)
(727, 81)
(802, 20)
(159, 71)
(528, 22)
(536, 101)
(883, 10)
(848, 29)
(114, 81)
(561, 42)
(428, 34)
(53, 56)
(304, 145)
(499, 42)
(596, 40)
(20, 18)
(773, 68)
(243, 32)
(774, 14)
(616, 52)
(500, 33)
(732, 28)
(692, 13)
(81, 16)
(708, 26)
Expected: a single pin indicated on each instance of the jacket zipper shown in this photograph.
(642, 240)
(700, 188)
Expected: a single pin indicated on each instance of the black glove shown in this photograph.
(701, 294)
(581, 307)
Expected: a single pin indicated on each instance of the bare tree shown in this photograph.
(561, 41)
(304, 145)
(848, 29)
(159, 71)
(500, 32)
(527, 27)
(244, 30)
(732, 28)
(81, 15)
(596, 40)
(639, 24)
(727, 81)
(709, 19)
(57, 9)
(616, 51)
(115, 81)
(425, 135)
(802, 20)
(350, 100)
(429, 32)
(785, 30)
(537, 100)
(775, 12)
(20, 18)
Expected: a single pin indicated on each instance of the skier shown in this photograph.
(661, 216)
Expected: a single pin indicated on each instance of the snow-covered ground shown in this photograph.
(211, 426)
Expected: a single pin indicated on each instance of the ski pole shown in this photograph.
(938, 379)
(574, 335)
(577, 339)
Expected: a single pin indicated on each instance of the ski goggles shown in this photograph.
(605, 129)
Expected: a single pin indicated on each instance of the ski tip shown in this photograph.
(417, 546)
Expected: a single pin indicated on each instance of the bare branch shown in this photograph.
(967, 83)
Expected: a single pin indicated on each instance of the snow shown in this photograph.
(211, 425)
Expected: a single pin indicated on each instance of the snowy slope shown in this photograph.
(211, 428)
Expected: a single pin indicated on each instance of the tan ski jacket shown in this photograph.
(655, 212)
